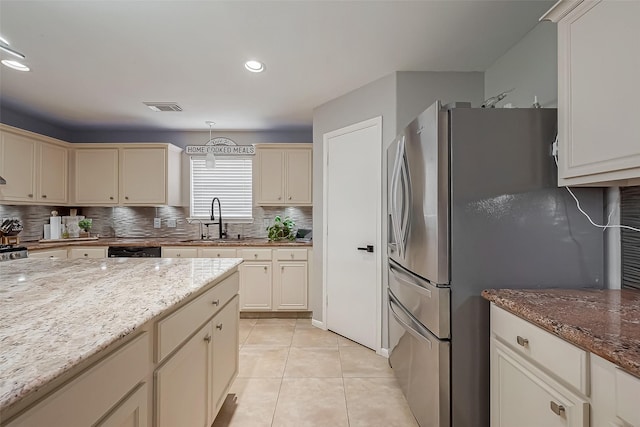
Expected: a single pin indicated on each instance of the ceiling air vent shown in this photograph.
(163, 106)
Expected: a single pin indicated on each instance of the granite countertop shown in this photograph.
(57, 313)
(604, 322)
(154, 241)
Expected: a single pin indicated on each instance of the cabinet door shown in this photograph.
(523, 396)
(17, 167)
(597, 93)
(96, 179)
(298, 177)
(52, 253)
(143, 176)
(52, 173)
(183, 383)
(225, 353)
(290, 286)
(270, 182)
(255, 286)
(75, 253)
(130, 413)
(180, 252)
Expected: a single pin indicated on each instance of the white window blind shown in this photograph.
(230, 181)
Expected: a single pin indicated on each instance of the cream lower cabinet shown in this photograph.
(290, 283)
(256, 286)
(597, 92)
(132, 412)
(85, 400)
(49, 253)
(183, 386)
(179, 252)
(537, 379)
(524, 396)
(87, 252)
(192, 384)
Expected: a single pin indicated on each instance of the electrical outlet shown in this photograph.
(171, 223)
(157, 222)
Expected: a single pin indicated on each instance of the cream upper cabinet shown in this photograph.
(96, 176)
(35, 170)
(52, 172)
(598, 69)
(127, 174)
(283, 175)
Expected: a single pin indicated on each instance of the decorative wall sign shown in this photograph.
(221, 147)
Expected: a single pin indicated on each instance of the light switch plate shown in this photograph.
(157, 222)
(171, 223)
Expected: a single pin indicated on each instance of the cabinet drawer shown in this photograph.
(175, 328)
(255, 254)
(87, 253)
(179, 252)
(291, 254)
(564, 360)
(53, 253)
(217, 253)
(627, 392)
(87, 398)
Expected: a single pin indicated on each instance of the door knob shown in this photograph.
(369, 248)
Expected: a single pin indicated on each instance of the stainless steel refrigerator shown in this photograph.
(473, 204)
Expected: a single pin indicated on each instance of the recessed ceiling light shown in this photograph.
(254, 66)
(15, 65)
(3, 40)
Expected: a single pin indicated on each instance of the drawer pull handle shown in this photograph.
(522, 341)
(219, 327)
(556, 409)
(207, 338)
(216, 302)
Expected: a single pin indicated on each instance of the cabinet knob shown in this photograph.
(86, 254)
(219, 327)
(255, 256)
(279, 198)
(265, 269)
(216, 302)
(522, 341)
(178, 254)
(292, 256)
(110, 197)
(207, 338)
(556, 408)
(126, 197)
(29, 195)
(218, 254)
(44, 196)
(289, 197)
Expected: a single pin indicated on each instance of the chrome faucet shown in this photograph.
(221, 234)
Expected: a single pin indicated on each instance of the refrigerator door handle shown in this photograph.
(405, 278)
(405, 182)
(395, 229)
(393, 301)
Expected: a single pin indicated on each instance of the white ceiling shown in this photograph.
(94, 62)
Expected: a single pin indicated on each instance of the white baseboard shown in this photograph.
(318, 324)
(384, 352)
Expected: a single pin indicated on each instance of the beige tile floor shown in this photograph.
(293, 374)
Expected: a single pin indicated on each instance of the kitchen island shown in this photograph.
(69, 325)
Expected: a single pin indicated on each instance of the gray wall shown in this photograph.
(398, 98)
(16, 118)
(530, 67)
(375, 99)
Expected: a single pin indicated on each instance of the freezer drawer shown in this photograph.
(427, 303)
(420, 362)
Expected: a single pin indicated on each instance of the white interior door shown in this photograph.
(352, 206)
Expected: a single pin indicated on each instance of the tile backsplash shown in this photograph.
(137, 222)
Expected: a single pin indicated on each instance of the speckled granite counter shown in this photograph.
(604, 322)
(54, 314)
(262, 242)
